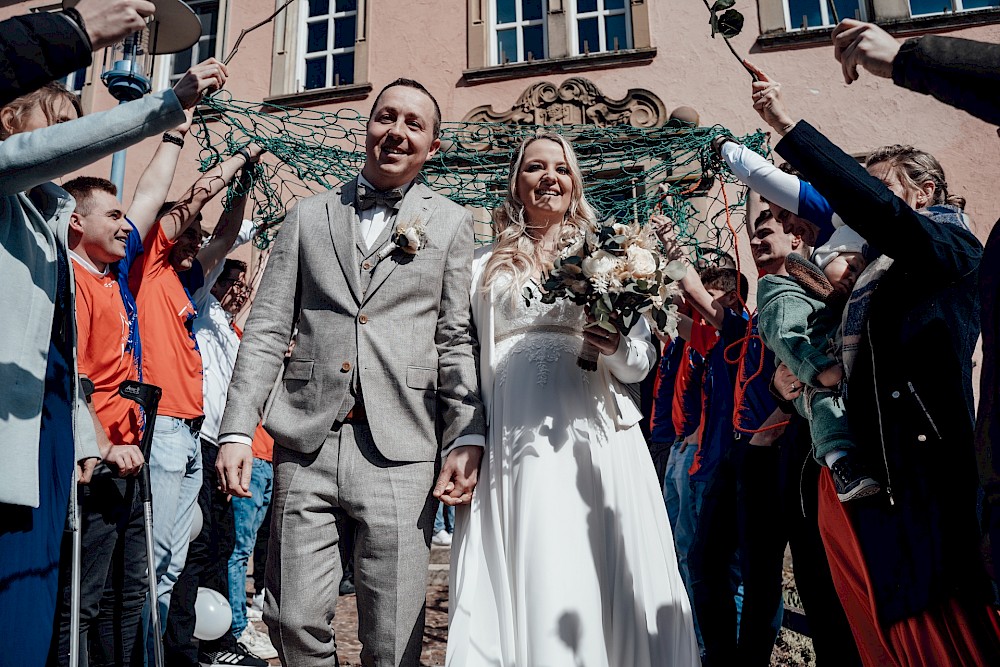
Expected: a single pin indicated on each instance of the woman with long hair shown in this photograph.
(565, 556)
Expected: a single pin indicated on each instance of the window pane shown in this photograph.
(182, 61)
(918, 7)
(506, 46)
(531, 10)
(343, 67)
(316, 38)
(319, 7)
(506, 11)
(807, 8)
(316, 73)
(614, 28)
(977, 4)
(846, 9)
(344, 32)
(614, 4)
(534, 41)
(206, 48)
(588, 40)
(347, 5)
(586, 6)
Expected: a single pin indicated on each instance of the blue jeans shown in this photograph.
(248, 515)
(680, 500)
(444, 519)
(175, 480)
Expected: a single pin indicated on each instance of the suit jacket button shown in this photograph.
(346, 366)
(363, 318)
(367, 266)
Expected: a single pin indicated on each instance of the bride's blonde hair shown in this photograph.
(514, 250)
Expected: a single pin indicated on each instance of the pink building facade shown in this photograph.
(337, 54)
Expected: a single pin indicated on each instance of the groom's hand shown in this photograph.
(459, 475)
(234, 465)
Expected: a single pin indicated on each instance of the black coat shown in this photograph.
(36, 49)
(909, 397)
(959, 72)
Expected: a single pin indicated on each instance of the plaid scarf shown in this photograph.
(856, 312)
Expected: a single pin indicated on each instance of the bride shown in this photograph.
(565, 556)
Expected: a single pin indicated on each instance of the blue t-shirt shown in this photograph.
(753, 373)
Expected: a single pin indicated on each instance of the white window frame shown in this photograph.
(824, 11)
(957, 7)
(519, 24)
(304, 22)
(163, 69)
(601, 14)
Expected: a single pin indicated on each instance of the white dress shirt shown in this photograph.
(374, 219)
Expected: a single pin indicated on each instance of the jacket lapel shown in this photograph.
(415, 208)
(341, 214)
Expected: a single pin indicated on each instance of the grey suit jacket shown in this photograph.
(409, 334)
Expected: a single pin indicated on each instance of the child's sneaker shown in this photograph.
(257, 643)
(852, 480)
(255, 610)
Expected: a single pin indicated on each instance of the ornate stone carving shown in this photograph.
(577, 101)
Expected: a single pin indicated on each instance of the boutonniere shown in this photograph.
(408, 237)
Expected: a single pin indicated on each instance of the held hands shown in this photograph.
(866, 45)
(767, 101)
(459, 475)
(666, 231)
(108, 21)
(234, 465)
(202, 79)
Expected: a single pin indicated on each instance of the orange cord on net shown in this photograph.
(742, 380)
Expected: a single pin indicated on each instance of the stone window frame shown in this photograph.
(287, 76)
(892, 15)
(824, 8)
(560, 51)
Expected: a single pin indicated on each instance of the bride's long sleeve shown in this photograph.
(635, 355)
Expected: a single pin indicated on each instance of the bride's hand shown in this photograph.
(605, 341)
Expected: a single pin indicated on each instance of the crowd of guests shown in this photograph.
(837, 419)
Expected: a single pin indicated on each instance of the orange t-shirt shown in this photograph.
(170, 356)
(263, 444)
(102, 334)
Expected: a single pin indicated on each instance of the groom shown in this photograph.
(382, 375)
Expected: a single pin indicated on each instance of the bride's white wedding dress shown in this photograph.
(565, 556)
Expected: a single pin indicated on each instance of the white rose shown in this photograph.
(641, 263)
(600, 264)
(412, 237)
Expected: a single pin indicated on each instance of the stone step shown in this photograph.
(440, 555)
(437, 574)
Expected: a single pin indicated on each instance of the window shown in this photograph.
(925, 7)
(518, 31)
(601, 25)
(208, 13)
(329, 35)
(806, 14)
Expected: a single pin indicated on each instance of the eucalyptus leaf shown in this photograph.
(722, 4)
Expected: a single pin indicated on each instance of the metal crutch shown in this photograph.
(148, 398)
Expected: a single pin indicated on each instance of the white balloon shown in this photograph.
(198, 522)
(212, 614)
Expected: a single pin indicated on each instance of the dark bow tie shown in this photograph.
(369, 197)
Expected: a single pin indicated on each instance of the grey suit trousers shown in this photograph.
(391, 503)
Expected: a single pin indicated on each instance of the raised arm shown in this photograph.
(694, 292)
(226, 231)
(206, 188)
(959, 72)
(154, 184)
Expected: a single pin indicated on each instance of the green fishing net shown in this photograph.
(629, 173)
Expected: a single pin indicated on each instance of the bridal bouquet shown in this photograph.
(616, 271)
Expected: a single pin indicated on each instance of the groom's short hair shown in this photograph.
(410, 83)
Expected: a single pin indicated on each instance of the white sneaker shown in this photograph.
(257, 643)
(255, 610)
(442, 538)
